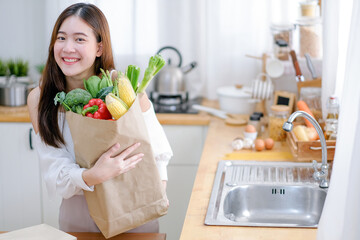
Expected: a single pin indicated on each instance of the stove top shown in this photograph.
(174, 103)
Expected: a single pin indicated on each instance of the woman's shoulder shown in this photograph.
(32, 103)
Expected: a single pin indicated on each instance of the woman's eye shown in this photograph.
(80, 39)
(60, 38)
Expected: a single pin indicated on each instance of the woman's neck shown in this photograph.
(72, 83)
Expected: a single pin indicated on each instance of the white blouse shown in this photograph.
(63, 176)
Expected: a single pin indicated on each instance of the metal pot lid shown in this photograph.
(232, 91)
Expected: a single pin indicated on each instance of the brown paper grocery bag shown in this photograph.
(133, 198)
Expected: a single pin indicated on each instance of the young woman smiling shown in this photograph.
(80, 45)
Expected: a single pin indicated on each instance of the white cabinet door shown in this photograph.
(20, 190)
(187, 143)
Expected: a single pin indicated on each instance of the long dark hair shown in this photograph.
(53, 79)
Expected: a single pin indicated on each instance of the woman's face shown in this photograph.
(76, 49)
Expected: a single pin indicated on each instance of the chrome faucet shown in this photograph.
(322, 174)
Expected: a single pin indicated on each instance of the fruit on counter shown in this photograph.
(302, 106)
(269, 143)
(116, 106)
(250, 128)
(259, 144)
(300, 133)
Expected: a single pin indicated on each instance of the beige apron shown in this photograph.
(74, 217)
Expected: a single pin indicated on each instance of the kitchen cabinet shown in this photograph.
(187, 144)
(20, 189)
(23, 196)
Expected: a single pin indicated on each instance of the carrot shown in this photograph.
(302, 106)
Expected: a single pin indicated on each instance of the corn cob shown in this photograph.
(126, 91)
(116, 106)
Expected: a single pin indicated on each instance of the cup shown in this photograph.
(275, 68)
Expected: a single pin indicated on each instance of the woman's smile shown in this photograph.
(76, 49)
(70, 61)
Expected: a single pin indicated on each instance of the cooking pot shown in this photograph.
(14, 93)
(170, 79)
(236, 100)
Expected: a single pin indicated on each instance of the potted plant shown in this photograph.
(19, 69)
(3, 71)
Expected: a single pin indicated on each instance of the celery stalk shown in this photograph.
(155, 64)
(132, 73)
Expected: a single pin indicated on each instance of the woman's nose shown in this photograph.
(69, 46)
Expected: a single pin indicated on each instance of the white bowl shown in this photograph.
(236, 101)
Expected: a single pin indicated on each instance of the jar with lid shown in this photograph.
(282, 50)
(309, 8)
(308, 37)
(282, 33)
(279, 114)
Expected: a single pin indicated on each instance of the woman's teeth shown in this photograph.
(70, 60)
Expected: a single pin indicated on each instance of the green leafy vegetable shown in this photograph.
(103, 92)
(155, 64)
(92, 85)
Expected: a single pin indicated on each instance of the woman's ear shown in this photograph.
(99, 50)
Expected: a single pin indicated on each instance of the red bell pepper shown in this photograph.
(96, 108)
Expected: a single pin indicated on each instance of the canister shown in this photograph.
(277, 117)
(308, 37)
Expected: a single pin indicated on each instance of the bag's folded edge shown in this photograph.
(157, 210)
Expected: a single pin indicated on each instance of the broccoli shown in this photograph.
(73, 100)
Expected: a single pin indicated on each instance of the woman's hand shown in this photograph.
(109, 166)
(144, 102)
(164, 184)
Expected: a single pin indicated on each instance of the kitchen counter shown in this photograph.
(21, 114)
(123, 236)
(217, 146)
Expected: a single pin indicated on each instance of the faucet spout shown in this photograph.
(323, 173)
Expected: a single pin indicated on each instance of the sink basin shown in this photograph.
(269, 194)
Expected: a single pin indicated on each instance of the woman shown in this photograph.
(80, 45)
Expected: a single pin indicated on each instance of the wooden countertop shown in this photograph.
(123, 236)
(21, 114)
(217, 145)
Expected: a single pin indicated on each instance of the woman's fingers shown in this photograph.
(109, 153)
(131, 162)
(128, 151)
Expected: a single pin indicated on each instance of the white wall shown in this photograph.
(22, 24)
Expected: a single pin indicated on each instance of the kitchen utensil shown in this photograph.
(171, 79)
(236, 101)
(229, 118)
(274, 68)
(310, 66)
(298, 75)
(13, 93)
(262, 89)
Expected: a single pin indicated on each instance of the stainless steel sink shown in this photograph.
(270, 194)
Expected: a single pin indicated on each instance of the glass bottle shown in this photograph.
(279, 114)
(331, 121)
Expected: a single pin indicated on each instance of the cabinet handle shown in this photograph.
(30, 139)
